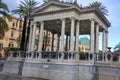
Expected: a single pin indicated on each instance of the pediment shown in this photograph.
(51, 6)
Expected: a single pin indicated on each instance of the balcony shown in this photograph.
(12, 38)
(14, 28)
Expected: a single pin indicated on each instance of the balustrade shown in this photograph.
(37, 55)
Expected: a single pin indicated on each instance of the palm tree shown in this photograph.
(100, 6)
(117, 48)
(4, 12)
(18, 40)
(24, 10)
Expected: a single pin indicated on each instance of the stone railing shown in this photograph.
(16, 55)
(34, 55)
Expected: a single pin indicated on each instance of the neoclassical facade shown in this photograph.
(8, 40)
(69, 19)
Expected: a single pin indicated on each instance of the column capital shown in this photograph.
(41, 21)
(97, 24)
(31, 23)
(62, 19)
(107, 32)
(72, 17)
(92, 19)
(78, 21)
(34, 22)
(104, 31)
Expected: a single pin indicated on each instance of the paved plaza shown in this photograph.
(15, 77)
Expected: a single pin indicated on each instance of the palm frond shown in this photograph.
(117, 47)
(5, 14)
(3, 24)
(99, 6)
(3, 6)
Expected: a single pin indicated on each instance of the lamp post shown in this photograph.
(109, 49)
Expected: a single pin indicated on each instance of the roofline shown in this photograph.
(100, 15)
(77, 7)
(13, 17)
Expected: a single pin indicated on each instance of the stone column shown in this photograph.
(103, 41)
(106, 40)
(72, 34)
(58, 43)
(92, 36)
(30, 36)
(33, 37)
(97, 39)
(77, 36)
(77, 40)
(41, 36)
(61, 48)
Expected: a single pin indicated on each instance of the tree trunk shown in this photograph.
(58, 42)
(22, 46)
(66, 45)
(27, 37)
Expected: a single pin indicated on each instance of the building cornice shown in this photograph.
(69, 7)
(98, 13)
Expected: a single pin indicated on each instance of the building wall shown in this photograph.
(84, 48)
(49, 42)
(84, 45)
(9, 39)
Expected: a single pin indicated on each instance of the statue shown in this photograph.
(72, 1)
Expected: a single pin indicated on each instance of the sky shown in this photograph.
(113, 7)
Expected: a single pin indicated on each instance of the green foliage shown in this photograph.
(14, 49)
(7, 49)
(83, 55)
(99, 6)
(11, 49)
(24, 9)
(4, 12)
(117, 48)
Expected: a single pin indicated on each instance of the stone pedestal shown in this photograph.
(51, 71)
(14, 67)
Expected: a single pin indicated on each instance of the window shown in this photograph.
(1, 46)
(12, 34)
(82, 48)
(49, 34)
(47, 49)
(0, 36)
(16, 24)
(13, 24)
(20, 25)
(11, 45)
(44, 33)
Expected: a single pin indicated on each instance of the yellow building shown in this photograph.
(84, 45)
(10, 36)
(48, 45)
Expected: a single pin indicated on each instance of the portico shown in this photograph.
(69, 21)
(65, 18)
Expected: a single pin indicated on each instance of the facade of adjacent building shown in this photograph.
(10, 36)
(9, 40)
(47, 40)
(84, 44)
